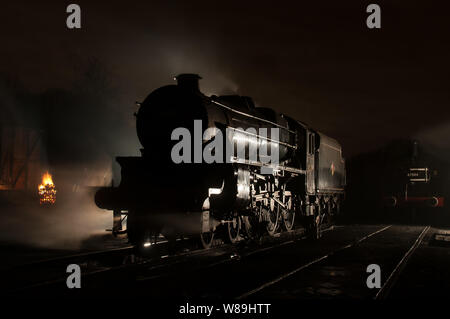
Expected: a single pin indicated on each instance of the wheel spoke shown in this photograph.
(272, 219)
(207, 239)
(288, 219)
(234, 229)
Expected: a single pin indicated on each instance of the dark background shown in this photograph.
(316, 62)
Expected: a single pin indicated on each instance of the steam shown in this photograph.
(83, 129)
(216, 81)
(435, 141)
(64, 225)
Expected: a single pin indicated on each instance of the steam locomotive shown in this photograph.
(415, 182)
(403, 181)
(238, 195)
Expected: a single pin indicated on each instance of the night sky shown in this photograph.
(318, 63)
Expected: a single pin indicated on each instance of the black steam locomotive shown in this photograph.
(415, 182)
(173, 190)
(403, 181)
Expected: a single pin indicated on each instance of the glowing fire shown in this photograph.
(47, 190)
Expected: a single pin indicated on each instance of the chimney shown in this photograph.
(188, 81)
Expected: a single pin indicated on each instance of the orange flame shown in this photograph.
(47, 190)
(47, 179)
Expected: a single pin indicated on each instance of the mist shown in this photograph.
(64, 225)
(435, 141)
(81, 130)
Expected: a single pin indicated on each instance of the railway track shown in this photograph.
(41, 272)
(281, 273)
(382, 293)
(236, 253)
(289, 266)
(309, 264)
(162, 254)
(217, 270)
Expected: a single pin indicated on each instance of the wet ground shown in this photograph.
(15, 254)
(413, 264)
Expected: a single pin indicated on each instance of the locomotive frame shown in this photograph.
(232, 199)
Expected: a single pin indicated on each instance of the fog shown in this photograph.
(64, 225)
(436, 141)
(315, 62)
